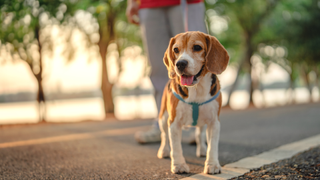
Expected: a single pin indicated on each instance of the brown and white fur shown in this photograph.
(204, 63)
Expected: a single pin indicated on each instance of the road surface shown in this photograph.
(107, 149)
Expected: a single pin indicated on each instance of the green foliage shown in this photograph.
(245, 23)
(22, 20)
(289, 24)
(231, 38)
(112, 11)
(305, 39)
(293, 25)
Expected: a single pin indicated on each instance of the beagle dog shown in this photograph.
(192, 98)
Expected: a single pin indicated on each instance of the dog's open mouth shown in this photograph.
(188, 80)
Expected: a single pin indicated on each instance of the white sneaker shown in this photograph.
(151, 136)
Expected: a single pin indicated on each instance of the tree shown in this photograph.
(22, 23)
(294, 28)
(247, 20)
(303, 42)
(113, 29)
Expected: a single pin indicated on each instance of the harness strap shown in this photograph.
(195, 106)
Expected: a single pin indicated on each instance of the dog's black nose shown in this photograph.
(182, 64)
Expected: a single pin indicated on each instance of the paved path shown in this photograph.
(107, 150)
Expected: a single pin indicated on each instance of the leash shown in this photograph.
(195, 106)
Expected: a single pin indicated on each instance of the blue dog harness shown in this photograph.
(195, 106)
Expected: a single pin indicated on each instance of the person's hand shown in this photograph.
(132, 11)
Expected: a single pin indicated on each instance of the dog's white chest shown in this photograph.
(207, 112)
(198, 94)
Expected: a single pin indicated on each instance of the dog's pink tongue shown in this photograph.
(186, 80)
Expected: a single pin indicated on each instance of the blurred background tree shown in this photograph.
(280, 31)
(290, 38)
(22, 23)
(25, 19)
(114, 33)
(246, 20)
(303, 39)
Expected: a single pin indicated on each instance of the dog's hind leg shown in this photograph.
(201, 142)
(164, 150)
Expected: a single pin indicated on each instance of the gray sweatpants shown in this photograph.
(158, 25)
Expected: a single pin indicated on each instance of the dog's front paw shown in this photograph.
(163, 153)
(212, 168)
(180, 168)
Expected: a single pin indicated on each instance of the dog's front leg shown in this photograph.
(178, 163)
(212, 165)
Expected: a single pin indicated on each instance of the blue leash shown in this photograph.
(195, 106)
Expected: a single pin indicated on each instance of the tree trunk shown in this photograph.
(38, 75)
(245, 64)
(234, 85)
(316, 70)
(261, 89)
(106, 86)
(292, 99)
(307, 81)
(41, 99)
(248, 55)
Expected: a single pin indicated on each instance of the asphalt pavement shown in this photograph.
(305, 165)
(107, 149)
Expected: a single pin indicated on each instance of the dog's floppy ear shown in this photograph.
(169, 58)
(217, 57)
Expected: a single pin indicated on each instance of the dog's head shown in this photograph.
(191, 55)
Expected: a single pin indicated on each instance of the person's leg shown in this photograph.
(156, 35)
(175, 20)
(196, 17)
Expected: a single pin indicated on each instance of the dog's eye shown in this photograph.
(197, 48)
(176, 50)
